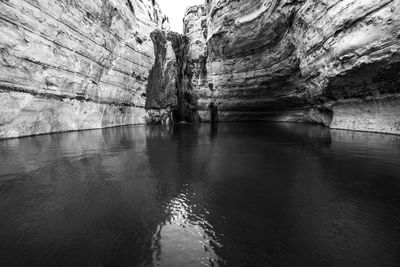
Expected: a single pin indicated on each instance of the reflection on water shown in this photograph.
(183, 238)
(201, 195)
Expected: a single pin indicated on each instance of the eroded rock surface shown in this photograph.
(72, 65)
(195, 27)
(332, 62)
(170, 95)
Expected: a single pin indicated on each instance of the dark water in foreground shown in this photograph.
(228, 195)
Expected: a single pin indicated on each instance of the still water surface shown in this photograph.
(241, 194)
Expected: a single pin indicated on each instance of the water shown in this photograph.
(243, 194)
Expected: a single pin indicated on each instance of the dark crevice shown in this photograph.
(129, 4)
(162, 93)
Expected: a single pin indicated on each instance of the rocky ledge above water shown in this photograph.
(331, 62)
(92, 64)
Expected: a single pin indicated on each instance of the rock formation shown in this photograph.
(72, 65)
(332, 62)
(169, 90)
(195, 27)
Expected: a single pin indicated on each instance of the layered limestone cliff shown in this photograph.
(332, 62)
(72, 65)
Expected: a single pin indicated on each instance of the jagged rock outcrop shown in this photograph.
(72, 65)
(332, 62)
(169, 90)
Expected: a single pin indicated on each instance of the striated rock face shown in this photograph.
(332, 62)
(72, 65)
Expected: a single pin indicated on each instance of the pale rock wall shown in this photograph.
(302, 60)
(195, 26)
(72, 65)
(350, 55)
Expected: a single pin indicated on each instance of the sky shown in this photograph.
(175, 10)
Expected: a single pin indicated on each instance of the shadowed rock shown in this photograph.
(290, 60)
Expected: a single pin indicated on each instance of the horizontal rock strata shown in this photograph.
(332, 62)
(72, 65)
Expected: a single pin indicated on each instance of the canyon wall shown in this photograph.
(170, 97)
(195, 27)
(333, 62)
(73, 65)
